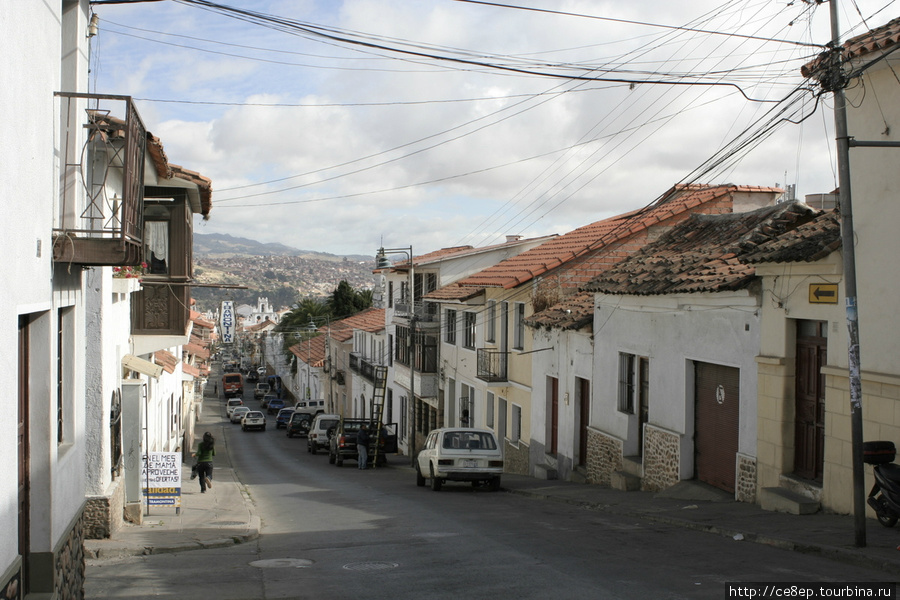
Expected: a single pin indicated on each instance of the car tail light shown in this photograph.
(341, 441)
(495, 463)
(445, 461)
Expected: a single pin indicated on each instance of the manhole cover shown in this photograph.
(370, 566)
(282, 563)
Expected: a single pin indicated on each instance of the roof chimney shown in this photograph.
(513, 238)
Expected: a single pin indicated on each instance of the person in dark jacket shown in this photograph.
(205, 452)
(362, 446)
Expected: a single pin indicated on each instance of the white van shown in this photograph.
(312, 407)
(232, 404)
(318, 432)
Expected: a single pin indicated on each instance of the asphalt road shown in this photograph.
(333, 533)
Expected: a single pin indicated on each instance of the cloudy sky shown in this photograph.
(344, 125)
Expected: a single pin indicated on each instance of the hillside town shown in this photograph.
(703, 338)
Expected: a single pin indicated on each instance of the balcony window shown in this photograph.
(519, 327)
(492, 322)
(156, 247)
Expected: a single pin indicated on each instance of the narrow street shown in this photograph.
(337, 533)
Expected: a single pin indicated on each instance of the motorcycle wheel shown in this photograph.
(885, 517)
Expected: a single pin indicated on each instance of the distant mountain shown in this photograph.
(221, 245)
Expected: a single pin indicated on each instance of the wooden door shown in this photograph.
(554, 415)
(809, 400)
(717, 413)
(584, 409)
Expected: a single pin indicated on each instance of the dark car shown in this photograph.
(274, 405)
(283, 417)
(299, 424)
(342, 442)
(252, 376)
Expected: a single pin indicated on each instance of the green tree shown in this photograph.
(345, 301)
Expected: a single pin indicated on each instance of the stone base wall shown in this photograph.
(662, 457)
(604, 456)
(745, 487)
(104, 515)
(515, 458)
(70, 566)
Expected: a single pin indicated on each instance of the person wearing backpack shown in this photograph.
(204, 454)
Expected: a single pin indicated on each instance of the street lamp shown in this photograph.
(382, 262)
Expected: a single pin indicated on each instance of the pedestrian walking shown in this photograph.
(362, 446)
(204, 454)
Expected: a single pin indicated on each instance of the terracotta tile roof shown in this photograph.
(884, 38)
(312, 350)
(197, 350)
(190, 370)
(431, 258)
(807, 243)
(574, 312)
(371, 320)
(707, 253)
(556, 252)
(166, 360)
(260, 326)
(454, 291)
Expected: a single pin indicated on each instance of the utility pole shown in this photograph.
(837, 83)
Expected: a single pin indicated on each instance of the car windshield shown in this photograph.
(471, 440)
(327, 423)
(235, 402)
(254, 415)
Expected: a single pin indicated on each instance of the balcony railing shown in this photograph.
(100, 220)
(425, 312)
(363, 366)
(492, 365)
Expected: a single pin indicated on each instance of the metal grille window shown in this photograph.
(515, 425)
(519, 330)
(450, 333)
(633, 378)
(491, 321)
(115, 434)
(469, 330)
(489, 410)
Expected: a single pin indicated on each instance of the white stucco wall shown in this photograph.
(875, 182)
(569, 356)
(674, 332)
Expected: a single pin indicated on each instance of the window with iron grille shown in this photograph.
(491, 329)
(450, 332)
(633, 375)
(519, 330)
(469, 330)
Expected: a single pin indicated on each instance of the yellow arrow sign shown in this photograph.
(823, 293)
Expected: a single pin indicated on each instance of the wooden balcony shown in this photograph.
(100, 219)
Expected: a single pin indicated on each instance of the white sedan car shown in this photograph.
(460, 454)
(238, 413)
(253, 419)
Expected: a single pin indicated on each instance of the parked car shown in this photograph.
(261, 390)
(312, 407)
(261, 370)
(299, 424)
(274, 405)
(231, 404)
(460, 454)
(342, 444)
(264, 403)
(282, 418)
(254, 419)
(318, 432)
(238, 413)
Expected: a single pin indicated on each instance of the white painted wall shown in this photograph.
(673, 331)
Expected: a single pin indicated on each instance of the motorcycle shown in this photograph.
(885, 495)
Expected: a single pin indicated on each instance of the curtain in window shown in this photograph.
(157, 240)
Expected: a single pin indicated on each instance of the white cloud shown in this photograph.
(497, 166)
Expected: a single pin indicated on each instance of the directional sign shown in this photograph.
(823, 293)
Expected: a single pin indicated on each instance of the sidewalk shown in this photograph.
(224, 515)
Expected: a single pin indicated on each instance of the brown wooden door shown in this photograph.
(584, 407)
(809, 400)
(22, 452)
(717, 413)
(554, 415)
